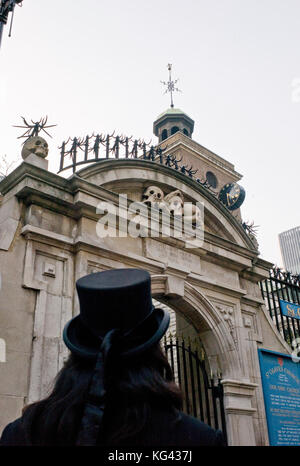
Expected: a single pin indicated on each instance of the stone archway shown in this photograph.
(217, 341)
(198, 310)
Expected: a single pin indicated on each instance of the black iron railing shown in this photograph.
(79, 151)
(202, 395)
(103, 146)
(286, 286)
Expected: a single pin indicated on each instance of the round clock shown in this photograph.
(232, 195)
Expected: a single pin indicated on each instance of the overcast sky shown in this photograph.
(96, 65)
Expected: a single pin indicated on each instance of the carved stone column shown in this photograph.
(239, 412)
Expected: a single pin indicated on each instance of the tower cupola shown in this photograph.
(171, 121)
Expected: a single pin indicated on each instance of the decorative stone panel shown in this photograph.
(48, 270)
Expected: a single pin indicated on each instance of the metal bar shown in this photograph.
(274, 305)
(275, 311)
(178, 363)
(74, 155)
(191, 355)
(4, 11)
(172, 356)
(282, 289)
(135, 149)
(222, 411)
(165, 344)
(185, 378)
(295, 299)
(290, 288)
(117, 147)
(62, 156)
(159, 152)
(107, 146)
(166, 347)
(86, 148)
(1, 32)
(297, 302)
(206, 388)
(213, 395)
(170, 346)
(126, 148)
(144, 150)
(199, 389)
(286, 297)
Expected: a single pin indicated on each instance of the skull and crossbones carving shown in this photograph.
(175, 202)
(35, 145)
(153, 197)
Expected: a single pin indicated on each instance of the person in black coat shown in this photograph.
(116, 388)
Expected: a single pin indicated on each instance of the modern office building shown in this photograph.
(290, 249)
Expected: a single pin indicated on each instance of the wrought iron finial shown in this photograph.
(250, 228)
(34, 128)
(171, 85)
(6, 7)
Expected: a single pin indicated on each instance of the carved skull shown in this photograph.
(153, 196)
(35, 145)
(174, 202)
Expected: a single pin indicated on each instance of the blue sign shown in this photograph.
(290, 309)
(281, 387)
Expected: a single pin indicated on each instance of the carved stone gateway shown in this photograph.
(51, 241)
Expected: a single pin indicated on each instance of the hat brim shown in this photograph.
(82, 342)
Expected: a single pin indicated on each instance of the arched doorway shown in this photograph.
(201, 388)
(221, 352)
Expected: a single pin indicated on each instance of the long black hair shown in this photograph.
(134, 388)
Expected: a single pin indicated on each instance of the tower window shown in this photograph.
(212, 179)
(185, 131)
(164, 134)
(174, 129)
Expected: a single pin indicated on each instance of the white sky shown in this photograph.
(96, 66)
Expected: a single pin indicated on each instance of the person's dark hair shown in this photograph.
(134, 387)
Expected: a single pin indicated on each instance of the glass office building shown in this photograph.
(290, 249)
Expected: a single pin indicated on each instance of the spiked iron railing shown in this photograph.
(99, 147)
(282, 285)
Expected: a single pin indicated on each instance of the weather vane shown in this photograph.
(171, 85)
(34, 128)
(7, 6)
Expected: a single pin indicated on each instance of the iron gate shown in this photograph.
(202, 396)
(282, 285)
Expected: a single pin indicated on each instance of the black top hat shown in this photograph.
(115, 299)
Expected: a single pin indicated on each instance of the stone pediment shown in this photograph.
(135, 177)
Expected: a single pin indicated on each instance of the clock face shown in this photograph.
(232, 195)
